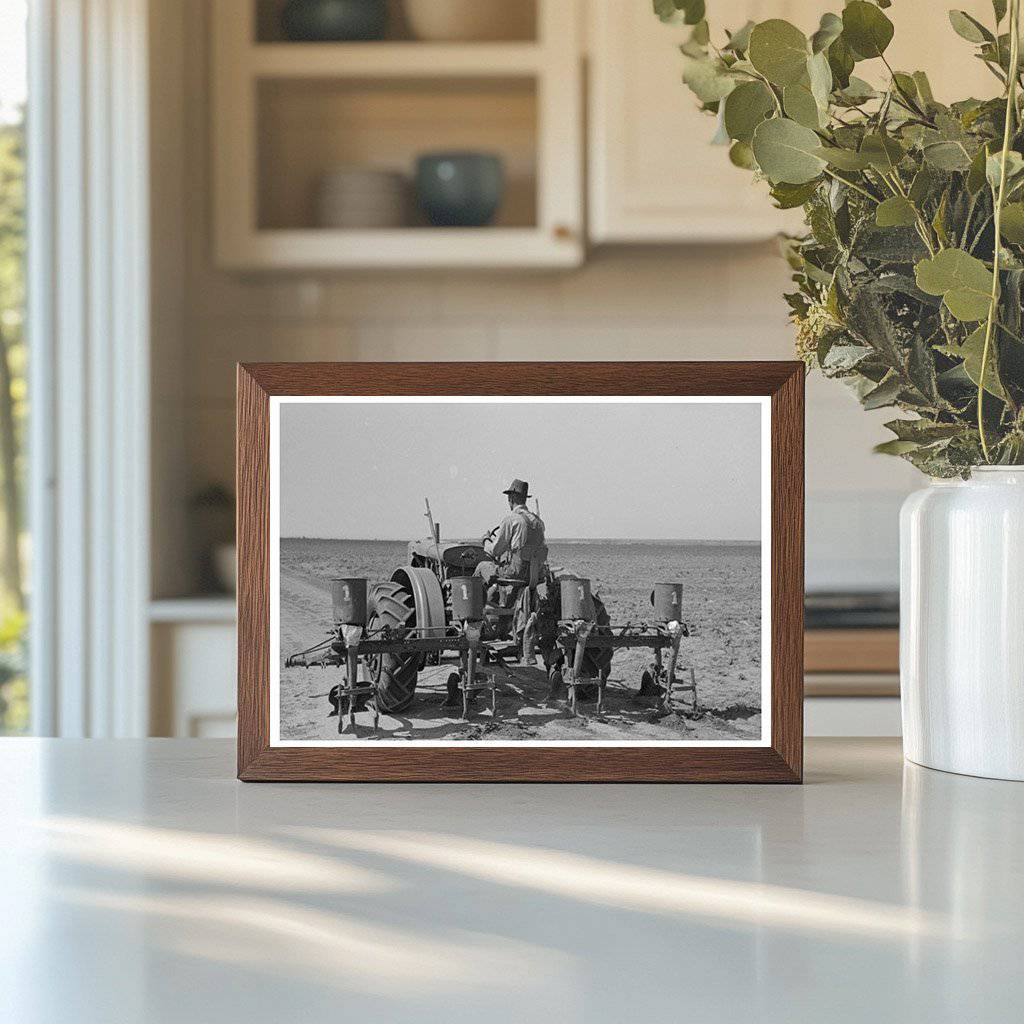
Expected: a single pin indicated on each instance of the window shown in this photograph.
(14, 690)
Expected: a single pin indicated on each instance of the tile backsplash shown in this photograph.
(709, 303)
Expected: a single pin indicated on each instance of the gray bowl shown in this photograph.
(334, 21)
(460, 189)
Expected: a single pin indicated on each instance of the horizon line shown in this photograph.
(550, 540)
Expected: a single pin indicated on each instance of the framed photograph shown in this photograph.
(563, 572)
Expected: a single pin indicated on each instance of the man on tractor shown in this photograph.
(517, 554)
(518, 544)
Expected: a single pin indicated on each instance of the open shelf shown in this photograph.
(409, 248)
(286, 114)
(520, 22)
(309, 127)
(200, 609)
(387, 60)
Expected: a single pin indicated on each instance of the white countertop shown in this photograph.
(140, 882)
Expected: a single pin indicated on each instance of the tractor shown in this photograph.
(450, 598)
(419, 596)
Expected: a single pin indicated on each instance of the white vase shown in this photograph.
(962, 624)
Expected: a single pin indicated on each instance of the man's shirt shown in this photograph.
(521, 532)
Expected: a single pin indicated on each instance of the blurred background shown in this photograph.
(246, 180)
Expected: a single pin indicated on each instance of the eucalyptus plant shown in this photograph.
(910, 277)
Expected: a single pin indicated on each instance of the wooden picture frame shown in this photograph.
(780, 759)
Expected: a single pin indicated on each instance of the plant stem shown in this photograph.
(853, 185)
(775, 98)
(1011, 108)
(894, 183)
(910, 102)
(981, 231)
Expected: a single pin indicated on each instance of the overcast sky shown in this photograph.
(629, 470)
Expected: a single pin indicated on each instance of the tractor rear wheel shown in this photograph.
(393, 675)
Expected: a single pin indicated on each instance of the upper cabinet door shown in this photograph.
(654, 176)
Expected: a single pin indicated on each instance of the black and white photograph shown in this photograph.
(551, 570)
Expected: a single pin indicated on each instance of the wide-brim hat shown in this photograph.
(517, 487)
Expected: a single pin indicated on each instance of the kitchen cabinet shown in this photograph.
(287, 114)
(193, 671)
(653, 177)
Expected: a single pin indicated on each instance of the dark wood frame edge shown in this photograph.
(781, 762)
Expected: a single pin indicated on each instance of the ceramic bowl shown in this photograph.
(459, 189)
(470, 20)
(333, 21)
(359, 197)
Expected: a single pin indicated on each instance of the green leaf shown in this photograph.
(869, 321)
(963, 281)
(883, 152)
(857, 91)
(739, 41)
(890, 245)
(829, 30)
(690, 12)
(721, 136)
(885, 394)
(971, 351)
(701, 34)
(741, 155)
(923, 431)
(1012, 224)
(844, 159)
(939, 220)
(905, 84)
(788, 197)
(707, 78)
(819, 74)
(895, 447)
(842, 358)
(693, 11)
(895, 212)
(922, 185)
(787, 151)
(924, 88)
(921, 370)
(993, 167)
(745, 108)
(976, 174)
(969, 28)
(666, 10)
(947, 156)
(801, 106)
(841, 63)
(866, 29)
(779, 51)
(693, 48)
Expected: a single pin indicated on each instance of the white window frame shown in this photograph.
(88, 333)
